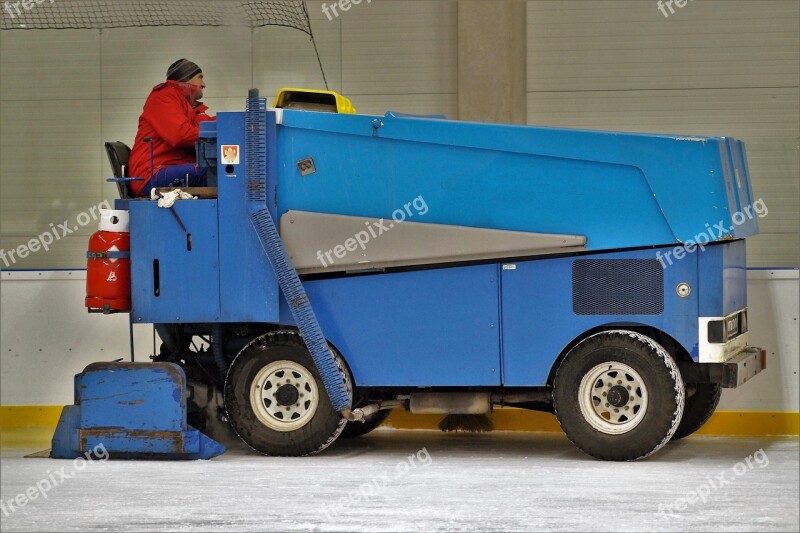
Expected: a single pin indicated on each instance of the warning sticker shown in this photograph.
(230, 154)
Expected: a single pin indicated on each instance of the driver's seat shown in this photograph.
(118, 153)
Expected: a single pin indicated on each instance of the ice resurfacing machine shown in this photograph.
(343, 265)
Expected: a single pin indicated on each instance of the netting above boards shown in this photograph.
(99, 14)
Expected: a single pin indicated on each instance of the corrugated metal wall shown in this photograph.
(712, 67)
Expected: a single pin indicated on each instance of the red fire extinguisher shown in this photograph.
(108, 269)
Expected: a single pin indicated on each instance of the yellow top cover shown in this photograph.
(288, 95)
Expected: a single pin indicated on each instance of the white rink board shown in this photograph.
(47, 336)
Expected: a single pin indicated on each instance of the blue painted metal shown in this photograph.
(539, 320)
(291, 287)
(130, 410)
(442, 327)
(723, 279)
(189, 279)
(424, 328)
(620, 189)
(206, 149)
(248, 285)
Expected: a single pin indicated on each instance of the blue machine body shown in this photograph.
(505, 323)
(621, 190)
(489, 323)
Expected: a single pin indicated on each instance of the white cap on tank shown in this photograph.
(113, 220)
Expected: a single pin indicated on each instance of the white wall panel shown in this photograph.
(407, 47)
(136, 59)
(773, 302)
(231, 103)
(49, 147)
(770, 248)
(49, 65)
(286, 58)
(120, 119)
(624, 45)
(755, 114)
(283, 57)
(414, 104)
(49, 173)
(46, 336)
(66, 252)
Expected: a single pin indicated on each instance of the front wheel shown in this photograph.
(276, 400)
(618, 396)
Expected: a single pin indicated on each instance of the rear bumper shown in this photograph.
(743, 367)
(725, 355)
(723, 338)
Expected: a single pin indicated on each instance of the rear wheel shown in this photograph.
(618, 395)
(699, 408)
(357, 429)
(276, 400)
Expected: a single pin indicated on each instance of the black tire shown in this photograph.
(357, 429)
(293, 419)
(643, 387)
(699, 408)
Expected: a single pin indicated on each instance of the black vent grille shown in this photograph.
(617, 287)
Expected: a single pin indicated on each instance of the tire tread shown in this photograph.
(663, 356)
(264, 341)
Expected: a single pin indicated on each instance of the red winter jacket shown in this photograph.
(173, 124)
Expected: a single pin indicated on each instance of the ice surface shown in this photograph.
(455, 482)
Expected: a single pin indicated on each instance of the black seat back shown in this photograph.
(118, 154)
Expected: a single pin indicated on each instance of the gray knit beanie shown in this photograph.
(183, 70)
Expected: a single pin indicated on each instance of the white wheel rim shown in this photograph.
(284, 396)
(613, 398)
